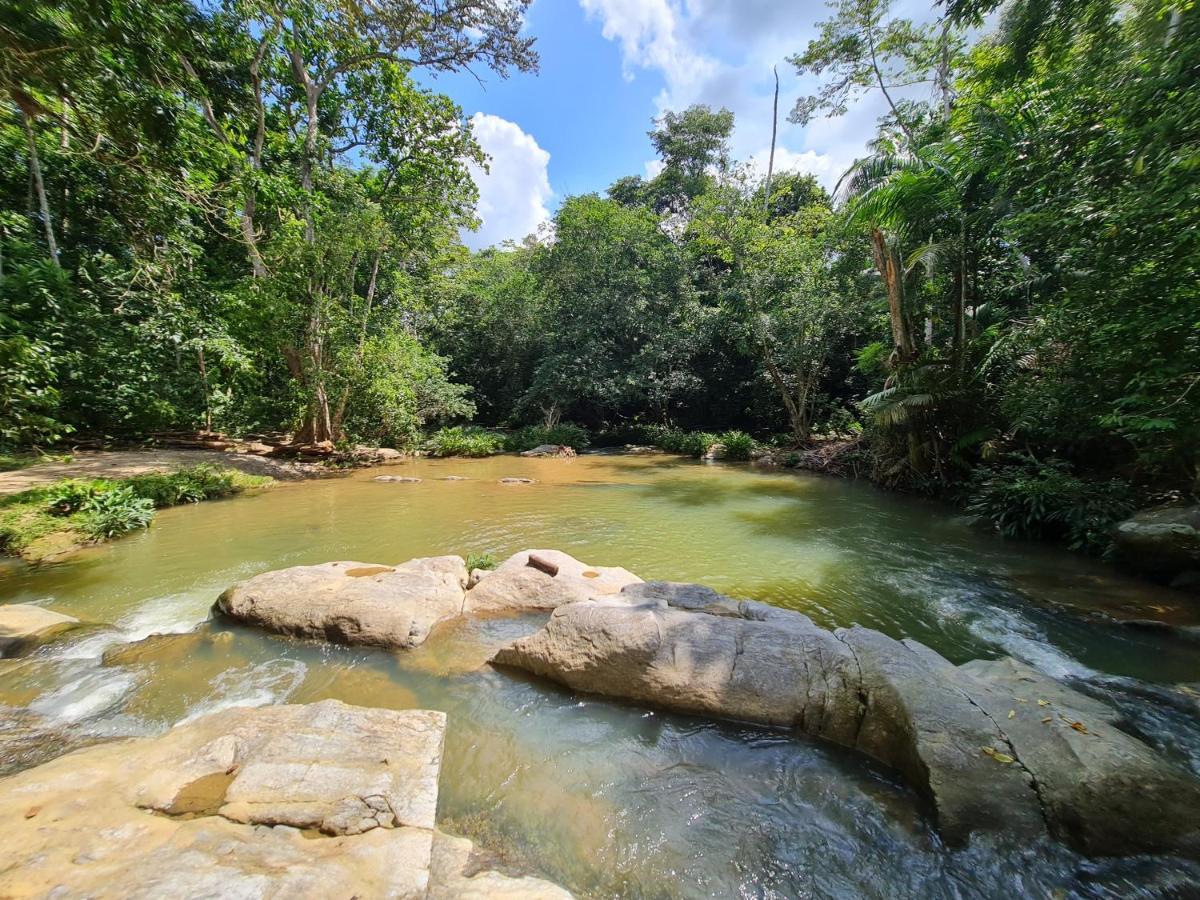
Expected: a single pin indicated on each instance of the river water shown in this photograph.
(608, 799)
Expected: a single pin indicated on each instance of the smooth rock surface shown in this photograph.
(21, 623)
(516, 585)
(215, 808)
(993, 745)
(352, 602)
(1163, 542)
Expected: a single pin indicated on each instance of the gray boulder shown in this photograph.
(993, 745)
(1163, 542)
(352, 602)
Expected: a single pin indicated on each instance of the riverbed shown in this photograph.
(610, 799)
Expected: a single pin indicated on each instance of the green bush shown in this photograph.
(1025, 498)
(464, 441)
(738, 444)
(191, 485)
(480, 561)
(68, 497)
(685, 443)
(116, 511)
(565, 433)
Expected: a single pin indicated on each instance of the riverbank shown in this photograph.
(60, 515)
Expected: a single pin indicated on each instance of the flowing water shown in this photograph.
(605, 798)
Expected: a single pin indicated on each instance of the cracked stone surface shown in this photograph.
(994, 745)
(352, 602)
(323, 800)
(514, 585)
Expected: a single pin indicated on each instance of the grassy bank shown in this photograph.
(45, 521)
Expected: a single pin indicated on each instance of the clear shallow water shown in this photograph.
(610, 799)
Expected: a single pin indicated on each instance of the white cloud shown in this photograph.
(720, 52)
(514, 192)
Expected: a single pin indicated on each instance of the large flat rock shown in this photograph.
(993, 745)
(21, 623)
(353, 602)
(542, 579)
(324, 800)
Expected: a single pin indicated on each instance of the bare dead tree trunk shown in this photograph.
(771, 158)
(39, 186)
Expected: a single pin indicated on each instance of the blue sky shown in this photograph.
(609, 67)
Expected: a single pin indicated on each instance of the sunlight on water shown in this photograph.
(606, 798)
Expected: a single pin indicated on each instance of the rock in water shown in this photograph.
(523, 581)
(214, 808)
(560, 450)
(1163, 542)
(22, 623)
(993, 745)
(353, 602)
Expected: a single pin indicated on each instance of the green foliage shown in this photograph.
(565, 433)
(464, 441)
(115, 511)
(738, 445)
(1025, 498)
(70, 496)
(193, 484)
(81, 510)
(481, 561)
(685, 443)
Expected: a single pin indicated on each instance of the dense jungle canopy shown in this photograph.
(244, 216)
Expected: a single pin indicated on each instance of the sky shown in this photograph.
(610, 67)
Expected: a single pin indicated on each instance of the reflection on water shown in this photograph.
(606, 798)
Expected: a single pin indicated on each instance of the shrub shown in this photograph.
(68, 497)
(191, 485)
(1025, 498)
(115, 511)
(480, 561)
(565, 433)
(686, 443)
(737, 444)
(468, 441)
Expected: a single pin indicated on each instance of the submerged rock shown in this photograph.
(1163, 542)
(993, 745)
(559, 450)
(518, 481)
(22, 624)
(352, 602)
(397, 479)
(217, 807)
(542, 579)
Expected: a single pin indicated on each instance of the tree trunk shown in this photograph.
(208, 419)
(887, 261)
(796, 414)
(35, 169)
(340, 415)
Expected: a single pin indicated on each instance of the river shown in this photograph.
(605, 798)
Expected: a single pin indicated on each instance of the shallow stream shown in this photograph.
(605, 798)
